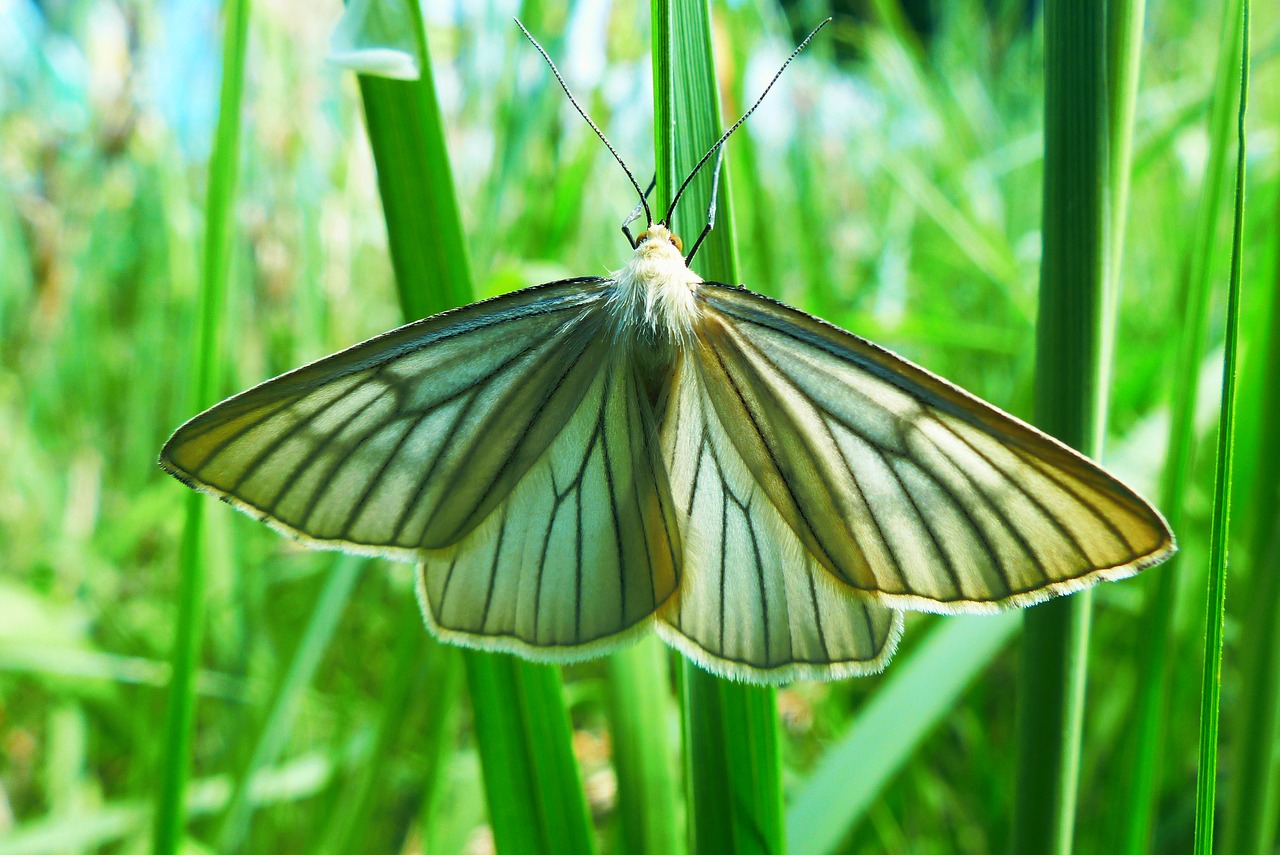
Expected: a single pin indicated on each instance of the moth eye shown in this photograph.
(675, 239)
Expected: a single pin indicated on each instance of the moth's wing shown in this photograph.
(583, 549)
(903, 485)
(753, 603)
(409, 440)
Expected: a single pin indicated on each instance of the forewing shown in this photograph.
(903, 485)
(408, 440)
(753, 603)
(584, 548)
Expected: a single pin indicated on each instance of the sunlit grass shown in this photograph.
(532, 784)
(189, 617)
(891, 184)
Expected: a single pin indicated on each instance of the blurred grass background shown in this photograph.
(891, 184)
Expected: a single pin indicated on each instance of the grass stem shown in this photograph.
(1219, 533)
(732, 757)
(170, 818)
(532, 783)
(1073, 277)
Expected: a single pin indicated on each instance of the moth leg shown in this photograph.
(636, 212)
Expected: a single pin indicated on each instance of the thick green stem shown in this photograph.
(732, 763)
(533, 788)
(1072, 285)
(639, 699)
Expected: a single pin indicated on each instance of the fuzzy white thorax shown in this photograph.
(655, 291)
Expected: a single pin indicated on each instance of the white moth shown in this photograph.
(574, 463)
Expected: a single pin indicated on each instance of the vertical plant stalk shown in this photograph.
(532, 784)
(424, 229)
(649, 809)
(1195, 290)
(1073, 276)
(1211, 687)
(170, 818)
(664, 85)
(1251, 822)
(732, 764)
(531, 776)
(1125, 19)
(1133, 803)
(731, 756)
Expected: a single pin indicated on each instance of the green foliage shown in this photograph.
(533, 789)
(1075, 241)
(189, 618)
(1235, 31)
(891, 183)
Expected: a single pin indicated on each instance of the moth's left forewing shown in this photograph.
(953, 504)
(410, 439)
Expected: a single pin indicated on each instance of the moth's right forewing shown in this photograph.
(903, 485)
(405, 441)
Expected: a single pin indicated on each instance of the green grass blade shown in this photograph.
(1211, 688)
(328, 610)
(639, 704)
(531, 778)
(189, 625)
(422, 672)
(664, 97)
(731, 752)
(732, 764)
(1134, 786)
(1073, 280)
(1124, 59)
(1251, 822)
(1154, 632)
(1050, 717)
(424, 229)
(918, 691)
(696, 124)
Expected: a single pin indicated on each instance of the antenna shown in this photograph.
(583, 113)
(671, 210)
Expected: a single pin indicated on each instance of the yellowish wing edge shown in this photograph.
(1029, 598)
(547, 654)
(394, 553)
(946, 389)
(789, 673)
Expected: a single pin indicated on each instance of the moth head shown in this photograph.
(658, 239)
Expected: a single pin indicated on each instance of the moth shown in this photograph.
(572, 464)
